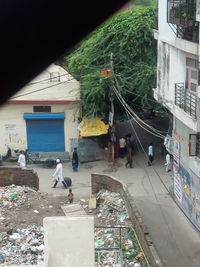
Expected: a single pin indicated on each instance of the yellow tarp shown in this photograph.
(93, 127)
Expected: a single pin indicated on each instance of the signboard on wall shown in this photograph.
(177, 185)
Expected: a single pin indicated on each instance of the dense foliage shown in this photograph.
(129, 36)
(143, 2)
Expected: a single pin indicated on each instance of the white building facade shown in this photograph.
(42, 117)
(179, 91)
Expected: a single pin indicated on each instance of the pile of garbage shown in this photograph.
(115, 239)
(18, 246)
(12, 196)
(22, 246)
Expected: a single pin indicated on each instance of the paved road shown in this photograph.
(176, 240)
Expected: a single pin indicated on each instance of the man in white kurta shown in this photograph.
(58, 174)
(168, 163)
(22, 160)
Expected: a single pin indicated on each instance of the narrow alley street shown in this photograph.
(175, 238)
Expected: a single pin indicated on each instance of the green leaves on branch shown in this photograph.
(129, 36)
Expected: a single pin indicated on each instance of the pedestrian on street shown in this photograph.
(150, 154)
(75, 160)
(129, 157)
(22, 160)
(70, 196)
(168, 162)
(122, 145)
(58, 174)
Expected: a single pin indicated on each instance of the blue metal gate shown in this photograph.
(45, 132)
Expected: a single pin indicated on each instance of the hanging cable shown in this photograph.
(128, 109)
(158, 131)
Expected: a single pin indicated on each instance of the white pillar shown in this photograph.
(69, 241)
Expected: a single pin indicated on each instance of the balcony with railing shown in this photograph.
(186, 100)
(181, 16)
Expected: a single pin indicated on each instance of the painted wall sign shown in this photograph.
(177, 185)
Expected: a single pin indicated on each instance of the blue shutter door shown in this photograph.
(45, 135)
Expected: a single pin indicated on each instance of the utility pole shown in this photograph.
(112, 109)
(109, 73)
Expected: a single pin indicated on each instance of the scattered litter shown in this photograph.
(22, 246)
(14, 195)
(36, 211)
(113, 232)
(1, 258)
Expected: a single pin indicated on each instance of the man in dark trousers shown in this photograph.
(75, 160)
(58, 174)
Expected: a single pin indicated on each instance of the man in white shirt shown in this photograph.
(122, 145)
(58, 174)
(168, 162)
(22, 160)
(150, 154)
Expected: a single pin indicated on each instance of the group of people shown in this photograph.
(127, 147)
(168, 158)
(58, 173)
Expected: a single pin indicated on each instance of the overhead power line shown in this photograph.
(135, 115)
(151, 130)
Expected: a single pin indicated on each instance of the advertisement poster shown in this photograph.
(187, 193)
(177, 185)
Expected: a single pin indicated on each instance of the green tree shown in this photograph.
(129, 36)
(144, 2)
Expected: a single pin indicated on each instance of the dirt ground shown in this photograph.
(35, 207)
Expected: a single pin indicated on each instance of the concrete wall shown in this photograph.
(13, 126)
(172, 53)
(66, 88)
(99, 182)
(192, 163)
(18, 176)
(69, 241)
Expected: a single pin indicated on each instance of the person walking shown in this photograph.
(129, 157)
(58, 174)
(22, 160)
(75, 160)
(150, 154)
(122, 145)
(70, 196)
(168, 162)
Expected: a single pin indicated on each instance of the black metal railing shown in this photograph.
(181, 15)
(186, 100)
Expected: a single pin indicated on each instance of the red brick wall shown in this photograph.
(18, 176)
(109, 183)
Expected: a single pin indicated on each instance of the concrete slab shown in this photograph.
(73, 209)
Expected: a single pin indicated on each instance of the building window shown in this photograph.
(54, 76)
(191, 74)
(194, 145)
(42, 109)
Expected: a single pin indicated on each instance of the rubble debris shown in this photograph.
(36, 211)
(113, 231)
(22, 210)
(22, 246)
